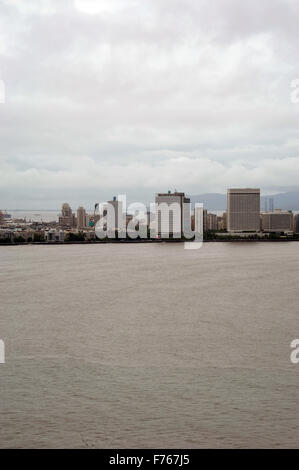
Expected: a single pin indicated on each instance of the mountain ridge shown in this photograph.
(217, 201)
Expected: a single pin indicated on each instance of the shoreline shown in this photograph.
(103, 242)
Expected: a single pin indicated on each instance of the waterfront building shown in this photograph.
(81, 218)
(277, 221)
(117, 218)
(67, 219)
(27, 235)
(172, 214)
(112, 220)
(90, 235)
(212, 223)
(296, 223)
(54, 235)
(224, 216)
(6, 235)
(243, 210)
(220, 223)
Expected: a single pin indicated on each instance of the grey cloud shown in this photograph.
(146, 94)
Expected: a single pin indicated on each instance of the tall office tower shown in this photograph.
(116, 223)
(67, 219)
(66, 210)
(172, 214)
(278, 221)
(243, 210)
(118, 211)
(81, 218)
(268, 204)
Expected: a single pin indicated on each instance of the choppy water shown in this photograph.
(149, 346)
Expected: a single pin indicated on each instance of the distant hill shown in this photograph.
(217, 202)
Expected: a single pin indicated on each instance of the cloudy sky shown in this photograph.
(105, 97)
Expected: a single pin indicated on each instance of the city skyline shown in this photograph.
(172, 216)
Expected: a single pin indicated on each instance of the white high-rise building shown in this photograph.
(112, 219)
(172, 214)
(243, 210)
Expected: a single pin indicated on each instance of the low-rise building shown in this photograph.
(54, 235)
(277, 221)
(212, 223)
(90, 235)
(6, 235)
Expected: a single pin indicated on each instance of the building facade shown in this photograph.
(243, 210)
(54, 235)
(172, 214)
(67, 219)
(81, 218)
(277, 221)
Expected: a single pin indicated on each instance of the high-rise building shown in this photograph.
(67, 219)
(243, 210)
(66, 210)
(268, 204)
(81, 218)
(296, 223)
(172, 214)
(277, 221)
(118, 218)
(112, 219)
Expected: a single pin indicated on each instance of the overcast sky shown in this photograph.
(104, 97)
